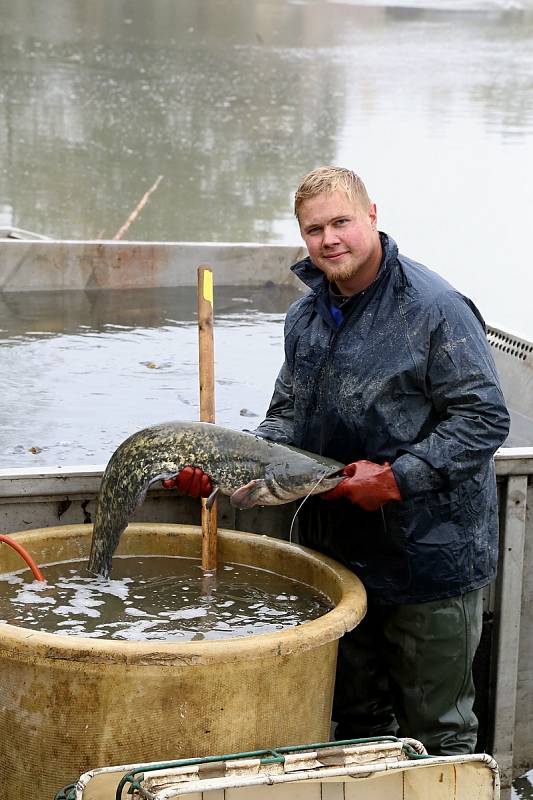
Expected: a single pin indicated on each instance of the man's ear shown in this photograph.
(373, 216)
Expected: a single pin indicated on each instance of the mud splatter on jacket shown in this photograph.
(407, 377)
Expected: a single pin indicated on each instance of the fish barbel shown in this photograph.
(251, 470)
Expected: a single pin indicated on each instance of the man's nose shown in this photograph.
(329, 236)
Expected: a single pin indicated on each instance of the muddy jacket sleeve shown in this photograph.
(278, 424)
(461, 381)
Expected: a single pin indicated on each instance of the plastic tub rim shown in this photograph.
(327, 628)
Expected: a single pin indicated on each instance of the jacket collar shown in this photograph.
(314, 278)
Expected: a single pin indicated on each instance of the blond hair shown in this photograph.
(325, 180)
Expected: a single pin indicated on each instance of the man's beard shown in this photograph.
(343, 272)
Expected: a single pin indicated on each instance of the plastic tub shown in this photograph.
(69, 704)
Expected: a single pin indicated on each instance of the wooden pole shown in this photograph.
(137, 210)
(207, 402)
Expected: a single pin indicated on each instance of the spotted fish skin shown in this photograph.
(251, 470)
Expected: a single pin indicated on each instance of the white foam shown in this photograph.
(186, 613)
(28, 597)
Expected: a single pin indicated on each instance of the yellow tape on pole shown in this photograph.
(208, 286)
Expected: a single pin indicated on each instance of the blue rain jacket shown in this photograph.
(406, 377)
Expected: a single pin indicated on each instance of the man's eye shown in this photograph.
(341, 221)
(313, 231)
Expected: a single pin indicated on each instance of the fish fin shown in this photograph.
(211, 499)
(247, 496)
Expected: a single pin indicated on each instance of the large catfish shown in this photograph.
(251, 470)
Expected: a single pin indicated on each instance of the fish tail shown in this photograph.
(121, 493)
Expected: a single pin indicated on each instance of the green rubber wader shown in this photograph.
(407, 670)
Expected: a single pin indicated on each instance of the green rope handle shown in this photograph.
(66, 793)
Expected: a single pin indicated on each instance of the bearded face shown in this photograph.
(342, 239)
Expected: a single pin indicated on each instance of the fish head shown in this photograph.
(271, 491)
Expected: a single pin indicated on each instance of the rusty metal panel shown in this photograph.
(67, 265)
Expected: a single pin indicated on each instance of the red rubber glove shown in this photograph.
(367, 484)
(192, 481)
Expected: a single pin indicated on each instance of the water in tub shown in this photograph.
(157, 598)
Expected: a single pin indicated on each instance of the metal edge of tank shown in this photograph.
(325, 574)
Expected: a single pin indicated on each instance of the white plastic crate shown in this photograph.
(387, 769)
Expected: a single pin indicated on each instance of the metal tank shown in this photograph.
(69, 704)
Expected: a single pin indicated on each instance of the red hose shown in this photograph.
(37, 574)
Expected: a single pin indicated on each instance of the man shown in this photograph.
(387, 369)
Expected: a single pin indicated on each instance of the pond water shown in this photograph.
(232, 101)
(83, 370)
(158, 598)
